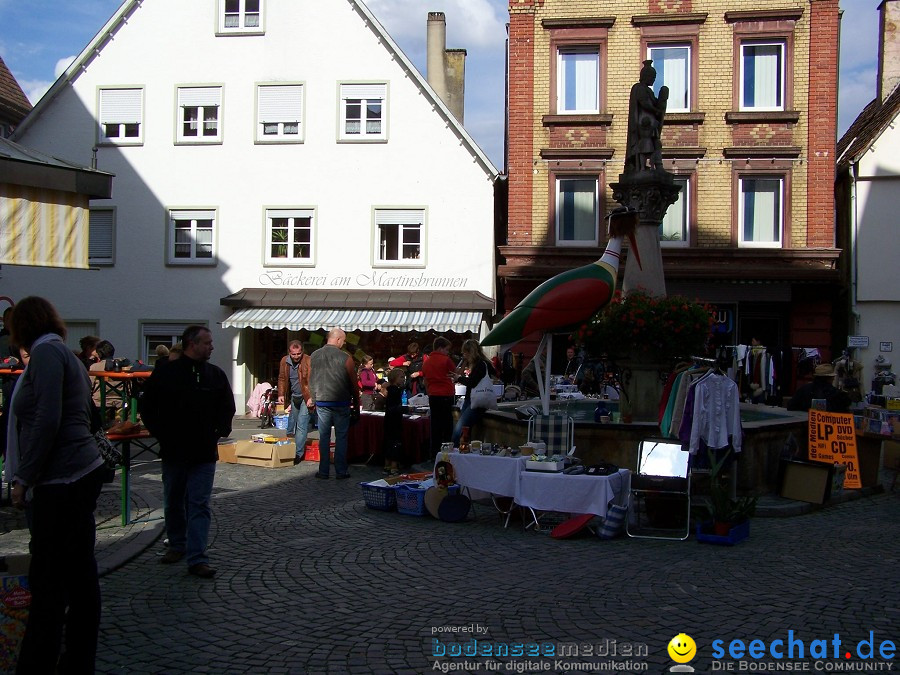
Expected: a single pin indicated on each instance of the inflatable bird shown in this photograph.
(572, 297)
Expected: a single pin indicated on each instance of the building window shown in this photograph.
(199, 114)
(762, 76)
(673, 231)
(363, 112)
(760, 211)
(289, 236)
(101, 237)
(576, 211)
(400, 236)
(120, 116)
(162, 333)
(578, 81)
(192, 237)
(241, 16)
(77, 329)
(279, 113)
(673, 69)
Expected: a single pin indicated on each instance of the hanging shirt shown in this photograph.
(717, 414)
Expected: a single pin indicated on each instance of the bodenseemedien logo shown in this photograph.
(682, 649)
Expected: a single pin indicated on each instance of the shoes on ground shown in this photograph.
(321, 475)
(298, 459)
(202, 570)
(171, 556)
(289, 435)
(342, 476)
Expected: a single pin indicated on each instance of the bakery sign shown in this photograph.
(370, 279)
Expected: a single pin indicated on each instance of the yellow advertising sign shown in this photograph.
(832, 439)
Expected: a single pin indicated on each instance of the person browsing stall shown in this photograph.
(440, 375)
(335, 390)
(368, 383)
(393, 422)
(477, 365)
(293, 377)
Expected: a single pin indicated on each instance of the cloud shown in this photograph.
(34, 89)
(62, 65)
(857, 89)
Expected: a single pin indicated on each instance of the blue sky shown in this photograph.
(38, 38)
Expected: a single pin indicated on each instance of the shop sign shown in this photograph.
(722, 319)
(375, 279)
(858, 341)
(832, 439)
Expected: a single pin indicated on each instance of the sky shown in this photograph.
(39, 38)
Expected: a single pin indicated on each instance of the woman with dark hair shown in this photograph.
(477, 364)
(61, 466)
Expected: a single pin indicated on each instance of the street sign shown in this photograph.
(858, 341)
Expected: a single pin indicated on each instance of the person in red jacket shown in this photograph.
(440, 375)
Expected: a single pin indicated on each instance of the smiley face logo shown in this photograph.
(682, 648)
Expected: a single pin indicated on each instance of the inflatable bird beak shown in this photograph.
(623, 222)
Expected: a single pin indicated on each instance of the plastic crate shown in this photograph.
(411, 498)
(281, 421)
(379, 497)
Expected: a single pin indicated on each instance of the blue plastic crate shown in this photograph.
(380, 497)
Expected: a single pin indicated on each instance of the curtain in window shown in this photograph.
(671, 64)
(580, 80)
(762, 76)
(674, 224)
(578, 210)
(762, 209)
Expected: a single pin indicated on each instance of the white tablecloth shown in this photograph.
(572, 494)
(497, 475)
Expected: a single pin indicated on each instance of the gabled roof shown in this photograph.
(866, 129)
(118, 19)
(14, 104)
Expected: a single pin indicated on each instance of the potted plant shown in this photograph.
(723, 520)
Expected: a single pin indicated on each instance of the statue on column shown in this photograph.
(645, 121)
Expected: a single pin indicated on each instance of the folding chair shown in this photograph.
(662, 480)
(557, 431)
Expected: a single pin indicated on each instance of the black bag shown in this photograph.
(111, 455)
(602, 469)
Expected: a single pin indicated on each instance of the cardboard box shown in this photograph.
(15, 598)
(269, 455)
(227, 450)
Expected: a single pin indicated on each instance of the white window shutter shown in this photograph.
(120, 106)
(368, 92)
(199, 96)
(100, 237)
(399, 217)
(280, 103)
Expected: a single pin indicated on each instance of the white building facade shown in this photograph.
(277, 163)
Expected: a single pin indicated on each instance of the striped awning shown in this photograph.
(43, 227)
(355, 319)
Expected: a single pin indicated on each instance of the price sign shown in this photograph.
(832, 438)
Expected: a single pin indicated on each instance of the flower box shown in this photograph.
(735, 535)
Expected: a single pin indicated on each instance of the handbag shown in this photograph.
(109, 452)
(483, 396)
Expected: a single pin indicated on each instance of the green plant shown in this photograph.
(721, 508)
(661, 328)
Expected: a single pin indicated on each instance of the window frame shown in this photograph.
(173, 330)
(782, 93)
(103, 261)
(102, 138)
(561, 81)
(79, 328)
(689, 71)
(557, 178)
(269, 213)
(290, 108)
(200, 212)
(783, 226)
(688, 193)
(762, 29)
(223, 30)
(344, 94)
(181, 92)
(377, 223)
(573, 38)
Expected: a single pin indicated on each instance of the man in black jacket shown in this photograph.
(188, 406)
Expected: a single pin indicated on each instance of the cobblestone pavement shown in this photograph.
(310, 581)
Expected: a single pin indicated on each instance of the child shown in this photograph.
(393, 422)
(367, 382)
